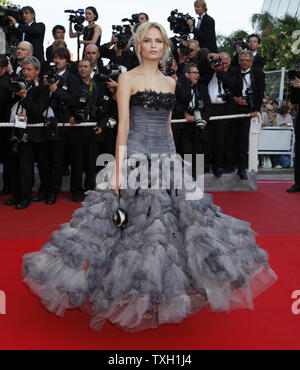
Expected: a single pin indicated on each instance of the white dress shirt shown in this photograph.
(214, 92)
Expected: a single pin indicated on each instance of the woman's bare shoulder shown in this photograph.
(171, 83)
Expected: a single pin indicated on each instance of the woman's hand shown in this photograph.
(117, 183)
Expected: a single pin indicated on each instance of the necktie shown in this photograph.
(199, 22)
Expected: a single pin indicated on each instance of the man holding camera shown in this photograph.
(295, 99)
(248, 100)
(31, 31)
(192, 104)
(32, 100)
(221, 85)
(84, 138)
(63, 87)
(120, 54)
(5, 104)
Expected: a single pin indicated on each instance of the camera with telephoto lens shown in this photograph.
(242, 44)
(51, 125)
(133, 21)
(215, 62)
(114, 73)
(169, 71)
(123, 34)
(101, 108)
(78, 19)
(52, 76)
(17, 84)
(249, 97)
(82, 113)
(227, 96)
(178, 22)
(185, 50)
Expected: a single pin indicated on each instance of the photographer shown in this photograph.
(295, 99)
(84, 139)
(92, 53)
(253, 44)
(64, 88)
(191, 97)
(24, 50)
(31, 31)
(248, 99)
(120, 54)
(31, 101)
(221, 85)
(5, 133)
(204, 29)
(58, 33)
(91, 33)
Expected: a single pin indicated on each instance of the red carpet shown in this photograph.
(273, 213)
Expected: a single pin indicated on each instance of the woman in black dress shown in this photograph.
(91, 33)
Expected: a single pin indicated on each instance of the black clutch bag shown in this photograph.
(120, 217)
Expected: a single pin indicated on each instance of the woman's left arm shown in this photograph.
(173, 83)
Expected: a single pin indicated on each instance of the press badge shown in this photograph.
(21, 121)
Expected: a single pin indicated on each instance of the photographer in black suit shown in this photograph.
(31, 101)
(295, 99)
(204, 29)
(190, 97)
(221, 86)
(5, 104)
(64, 89)
(248, 99)
(58, 33)
(31, 31)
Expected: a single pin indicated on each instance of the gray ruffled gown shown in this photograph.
(175, 257)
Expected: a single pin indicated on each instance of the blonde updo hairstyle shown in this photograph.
(141, 33)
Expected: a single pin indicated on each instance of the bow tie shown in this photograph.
(245, 73)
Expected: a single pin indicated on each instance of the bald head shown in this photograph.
(92, 54)
(24, 50)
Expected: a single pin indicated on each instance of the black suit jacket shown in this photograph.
(35, 103)
(258, 62)
(258, 85)
(184, 96)
(5, 98)
(206, 35)
(35, 35)
(295, 99)
(65, 99)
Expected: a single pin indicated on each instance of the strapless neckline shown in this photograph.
(150, 97)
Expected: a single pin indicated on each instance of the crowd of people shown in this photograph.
(57, 90)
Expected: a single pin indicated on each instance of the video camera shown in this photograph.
(123, 34)
(10, 11)
(133, 21)
(9, 30)
(78, 19)
(178, 23)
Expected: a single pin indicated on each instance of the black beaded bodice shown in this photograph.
(150, 98)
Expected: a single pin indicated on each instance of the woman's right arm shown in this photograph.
(123, 100)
